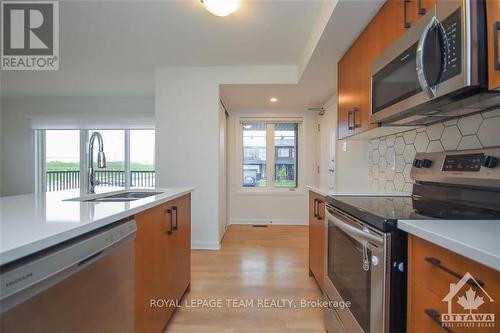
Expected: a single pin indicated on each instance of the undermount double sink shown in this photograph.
(117, 197)
(122, 197)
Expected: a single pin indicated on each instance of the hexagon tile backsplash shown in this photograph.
(391, 156)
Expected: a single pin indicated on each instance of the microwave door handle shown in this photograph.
(422, 79)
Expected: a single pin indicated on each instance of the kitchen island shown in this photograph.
(115, 252)
(33, 222)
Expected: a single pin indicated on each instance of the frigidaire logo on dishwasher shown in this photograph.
(19, 279)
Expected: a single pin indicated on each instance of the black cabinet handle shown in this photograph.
(434, 315)
(356, 125)
(174, 209)
(436, 262)
(320, 217)
(406, 23)
(315, 208)
(496, 51)
(421, 10)
(349, 116)
(169, 213)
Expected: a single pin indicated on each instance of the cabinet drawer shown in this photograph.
(434, 267)
(423, 305)
(433, 273)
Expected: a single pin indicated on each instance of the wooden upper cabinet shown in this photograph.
(367, 46)
(345, 97)
(493, 27)
(390, 20)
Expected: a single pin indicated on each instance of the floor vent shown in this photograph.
(259, 225)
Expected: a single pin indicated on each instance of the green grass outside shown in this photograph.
(283, 183)
(113, 166)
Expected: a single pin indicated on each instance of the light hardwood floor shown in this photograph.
(253, 264)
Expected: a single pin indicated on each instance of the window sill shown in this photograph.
(271, 191)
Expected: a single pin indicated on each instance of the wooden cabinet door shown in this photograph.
(493, 31)
(432, 270)
(152, 271)
(418, 8)
(181, 246)
(316, 237)
(312, 232)
(344, 97)
(367, 50)
(390, 20)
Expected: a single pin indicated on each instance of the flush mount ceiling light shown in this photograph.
(273, 100)
(221, 7)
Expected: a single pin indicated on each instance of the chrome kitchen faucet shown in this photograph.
(101, 161)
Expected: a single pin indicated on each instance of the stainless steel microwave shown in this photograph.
(437, 70)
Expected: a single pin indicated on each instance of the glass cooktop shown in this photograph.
(383, 212)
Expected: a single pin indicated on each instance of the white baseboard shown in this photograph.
(268, 221)
(202, 245)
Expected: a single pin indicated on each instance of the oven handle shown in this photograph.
(422, 79)
(354, 232)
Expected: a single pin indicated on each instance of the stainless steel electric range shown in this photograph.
(366, 253)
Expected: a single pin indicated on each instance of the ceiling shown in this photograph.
(319, 80)
(110, 48)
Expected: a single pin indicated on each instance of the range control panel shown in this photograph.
(463, 162)
(479, 167)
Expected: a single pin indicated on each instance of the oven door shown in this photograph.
(355, 273)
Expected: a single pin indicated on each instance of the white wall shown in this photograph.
(222, 172)
(188, 134)
(327, 140)
(279, 206)
(350, 165)
(17, 140)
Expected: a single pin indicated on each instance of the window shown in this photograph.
(129, 157)
(254, 154)
(62, 159)
(269, 147)
(114, 148)
(285, 163)
(142, 158)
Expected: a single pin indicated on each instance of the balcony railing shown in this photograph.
(65, 180)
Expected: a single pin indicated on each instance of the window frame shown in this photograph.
(40, 160)
(270, 189)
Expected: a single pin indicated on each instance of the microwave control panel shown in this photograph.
(453, 27)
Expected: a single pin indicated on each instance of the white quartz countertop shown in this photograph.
(475, 239)
(33, 222)
(353, 191)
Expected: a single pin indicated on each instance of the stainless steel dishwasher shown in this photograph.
(83, 285)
